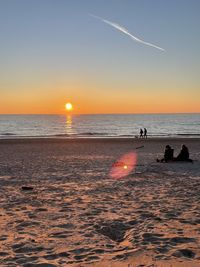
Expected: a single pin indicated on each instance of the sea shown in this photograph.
(106, 125)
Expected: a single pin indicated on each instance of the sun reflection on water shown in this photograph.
(68, 125)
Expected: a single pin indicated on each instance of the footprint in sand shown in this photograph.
(28, 249)
(99, 251)
(153, 238)
(187, 253)
(80, 251)
(3, 254)
(63, 234)
(3, 237)
(40, 209)
(25, 224)
(56, 256)
(163, 249)
(181, 240)
(39, 265)
(65, 226)
(22, 259)
(114, 230)
(80, 257)
(92, 258)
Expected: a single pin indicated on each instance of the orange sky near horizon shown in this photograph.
(97, 102)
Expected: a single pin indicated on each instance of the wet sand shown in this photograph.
(75, 214)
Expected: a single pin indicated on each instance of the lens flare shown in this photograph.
(123, 166)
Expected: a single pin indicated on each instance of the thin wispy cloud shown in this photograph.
(125, 31)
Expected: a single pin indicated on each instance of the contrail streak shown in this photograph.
(125, 31)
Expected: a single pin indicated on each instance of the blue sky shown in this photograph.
(55, 45)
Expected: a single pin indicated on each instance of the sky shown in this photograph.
(55, 51)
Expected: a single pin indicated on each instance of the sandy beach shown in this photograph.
(75, 214)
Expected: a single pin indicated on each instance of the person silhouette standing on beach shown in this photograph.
(141, 133)
(145, 133)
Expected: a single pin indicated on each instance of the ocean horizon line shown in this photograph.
(78, 114)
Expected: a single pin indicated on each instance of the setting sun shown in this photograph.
(68, 106)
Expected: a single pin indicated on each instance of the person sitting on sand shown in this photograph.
(183, 155)
(168, 154)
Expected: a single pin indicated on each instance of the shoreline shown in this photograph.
(96, 139)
